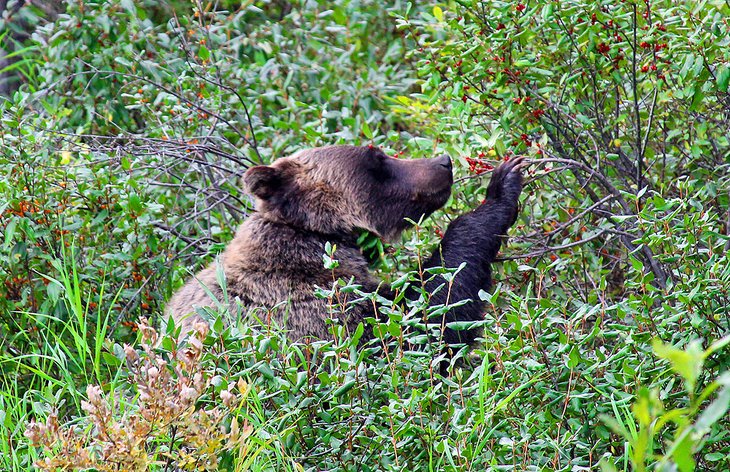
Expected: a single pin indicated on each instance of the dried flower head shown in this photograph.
(165, 401)
(130, 353)
(189, 394)
(228, 398)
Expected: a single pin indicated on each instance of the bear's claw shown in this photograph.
(506, 180)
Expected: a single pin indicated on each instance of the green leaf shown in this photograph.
(607, 466)
(203, 53)
(355, 338)
(266, 370)
(345, 388)
(574, 357)
(717, 345)
(683, 455)
(129, 6)
(10, 232)
(135, 204)
(688, 62)
(547, 11)
(123, 61)
(642, 407)
(715, 456)
(697, 98)
(723, 78)
(505, 401)
(366, 130)
(687, 363)
(53, 290)
(636, 264)
(714, 412)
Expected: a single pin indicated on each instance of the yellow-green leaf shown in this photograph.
(65, 157)
(687, 363)
(438, 13)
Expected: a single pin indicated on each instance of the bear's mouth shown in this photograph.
(434, 196)
(426, 196)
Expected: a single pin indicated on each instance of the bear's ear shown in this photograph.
(262, 181)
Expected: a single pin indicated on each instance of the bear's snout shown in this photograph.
(431, 180)
(444, 160)
(439, 174)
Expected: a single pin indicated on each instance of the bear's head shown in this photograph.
(338, 189)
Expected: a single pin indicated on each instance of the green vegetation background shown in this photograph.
(126, 127)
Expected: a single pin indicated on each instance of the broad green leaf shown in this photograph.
(203, 53)
(683, 454)
(135, 204)
(346, 387)
(687, 363)
(366, 130)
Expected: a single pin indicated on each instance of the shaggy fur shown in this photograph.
(328, 194)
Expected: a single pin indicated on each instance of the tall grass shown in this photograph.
(264, 403)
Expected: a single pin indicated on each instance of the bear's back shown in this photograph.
(275, 267)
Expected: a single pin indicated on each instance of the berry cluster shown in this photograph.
(480, 165)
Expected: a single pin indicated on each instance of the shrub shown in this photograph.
(122, 154)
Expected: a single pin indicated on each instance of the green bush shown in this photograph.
(121, 156)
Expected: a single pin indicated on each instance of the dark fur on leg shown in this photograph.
(475, 238)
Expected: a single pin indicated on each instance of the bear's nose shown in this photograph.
(444, 160)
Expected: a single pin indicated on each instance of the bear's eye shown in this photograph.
(379, 167)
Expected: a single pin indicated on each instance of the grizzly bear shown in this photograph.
(330, 194)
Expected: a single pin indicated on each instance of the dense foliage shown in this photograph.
(121, 154)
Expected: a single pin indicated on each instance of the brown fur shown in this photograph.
(304, 201)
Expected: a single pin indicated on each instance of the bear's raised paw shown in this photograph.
(506, 182)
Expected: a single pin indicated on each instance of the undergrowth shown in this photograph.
(605, 338)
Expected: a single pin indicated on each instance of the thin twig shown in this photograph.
(552, 248)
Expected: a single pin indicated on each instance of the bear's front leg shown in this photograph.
(475, 238)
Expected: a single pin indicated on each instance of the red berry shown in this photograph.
(520, 7)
